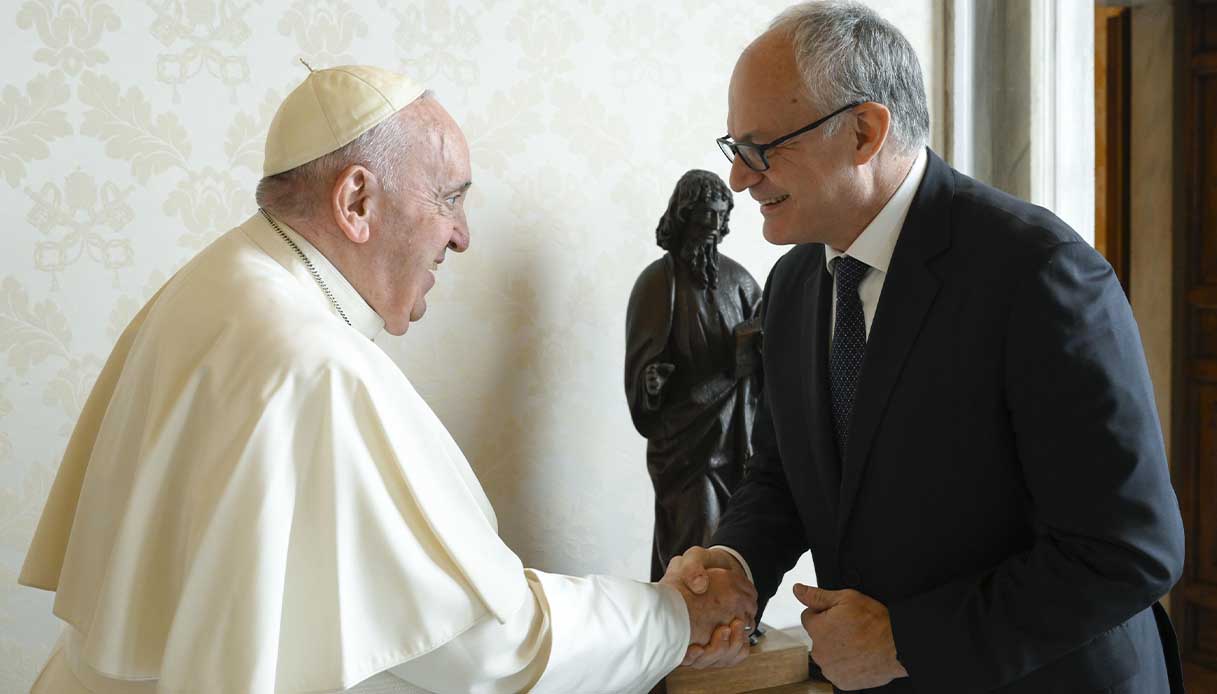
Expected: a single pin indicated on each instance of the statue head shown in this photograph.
(698, 210)
(695, 221)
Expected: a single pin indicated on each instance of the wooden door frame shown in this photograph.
(1200, 669)
(1113, 106)
(1180, 447)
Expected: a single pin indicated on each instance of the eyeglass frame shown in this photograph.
(730, 148)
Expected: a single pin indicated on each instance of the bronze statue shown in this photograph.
(692, 373)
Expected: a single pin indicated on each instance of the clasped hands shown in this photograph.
(851, 633)
(721, 602)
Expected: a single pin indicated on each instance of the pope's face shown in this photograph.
(802, 192)
(425, 216)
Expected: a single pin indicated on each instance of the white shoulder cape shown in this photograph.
(255, 499)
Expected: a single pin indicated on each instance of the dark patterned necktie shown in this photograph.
(848, 346)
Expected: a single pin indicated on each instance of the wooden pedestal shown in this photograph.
(778, 659)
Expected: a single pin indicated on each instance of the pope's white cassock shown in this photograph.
(255, 499)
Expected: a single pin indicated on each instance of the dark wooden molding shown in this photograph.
(1194, 425)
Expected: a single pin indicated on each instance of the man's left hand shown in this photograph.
(851, 637)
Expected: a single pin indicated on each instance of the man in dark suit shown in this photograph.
(957, 421)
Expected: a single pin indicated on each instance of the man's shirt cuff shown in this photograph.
(740, 559)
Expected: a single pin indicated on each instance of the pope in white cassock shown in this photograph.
(256, 500)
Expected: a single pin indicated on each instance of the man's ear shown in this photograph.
(352, 199)
(871, 123)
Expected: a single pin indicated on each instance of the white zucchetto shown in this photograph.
(331, 108)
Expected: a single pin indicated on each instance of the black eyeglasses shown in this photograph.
(754, 155)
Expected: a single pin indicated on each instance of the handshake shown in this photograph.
(851, 633)
(721, 602)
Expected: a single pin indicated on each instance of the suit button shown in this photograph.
(852, 579)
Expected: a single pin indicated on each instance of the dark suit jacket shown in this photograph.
(1006, 493)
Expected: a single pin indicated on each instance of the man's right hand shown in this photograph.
(691, 567)
(722, 609)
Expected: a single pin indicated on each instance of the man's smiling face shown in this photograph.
(807, 176)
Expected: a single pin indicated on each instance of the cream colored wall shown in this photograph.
(131, 134)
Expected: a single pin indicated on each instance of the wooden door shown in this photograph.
(1112, 132)
(1194, 602)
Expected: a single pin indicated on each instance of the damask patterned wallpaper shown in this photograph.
(131, 136)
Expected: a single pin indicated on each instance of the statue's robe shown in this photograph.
(698, 427)
(255, 500)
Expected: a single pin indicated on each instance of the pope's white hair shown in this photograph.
(300, 191)
(847, 53)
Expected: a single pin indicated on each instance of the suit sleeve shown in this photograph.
(1109, 534)
(762, 523)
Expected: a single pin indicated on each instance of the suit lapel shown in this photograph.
(817, 307)
(908, 293)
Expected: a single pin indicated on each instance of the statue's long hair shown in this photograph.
(696, 185)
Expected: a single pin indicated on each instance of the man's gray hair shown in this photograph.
(847, 53)
(300, 191)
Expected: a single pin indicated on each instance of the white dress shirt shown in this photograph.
(874, 246)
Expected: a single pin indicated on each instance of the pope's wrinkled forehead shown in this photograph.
(452, 139)
(454, 148)
(442, 150)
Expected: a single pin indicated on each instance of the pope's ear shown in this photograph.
(351, 201)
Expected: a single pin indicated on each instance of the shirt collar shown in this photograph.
(875, 245)
(361, 316)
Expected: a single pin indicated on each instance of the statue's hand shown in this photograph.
(656, 376)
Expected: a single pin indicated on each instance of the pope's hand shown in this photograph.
(717, 618)
(698, 573)
(851, 637)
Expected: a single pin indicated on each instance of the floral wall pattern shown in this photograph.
(131, 136)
